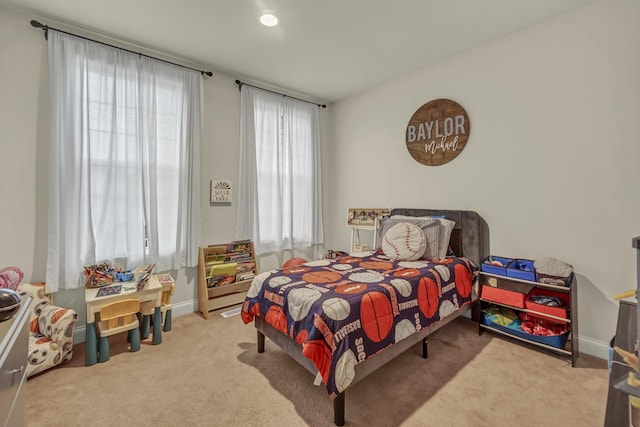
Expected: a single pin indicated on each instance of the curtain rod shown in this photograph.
(45, 28)
(239, 83)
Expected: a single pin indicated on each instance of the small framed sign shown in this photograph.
(220, 191)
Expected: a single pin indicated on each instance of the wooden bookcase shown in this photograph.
(215, 292)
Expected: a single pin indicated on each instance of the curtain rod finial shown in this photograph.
(36, 24)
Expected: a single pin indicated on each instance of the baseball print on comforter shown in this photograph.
(345, 310)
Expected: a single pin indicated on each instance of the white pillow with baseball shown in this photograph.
(404, 241)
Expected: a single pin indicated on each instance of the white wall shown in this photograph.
(552, 158)
(24, 145)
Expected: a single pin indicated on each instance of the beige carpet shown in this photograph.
(208, 373)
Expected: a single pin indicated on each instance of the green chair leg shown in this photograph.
(157, 327)
(134, 339)
(91, 345)
(144, 330)
(167, 321)
(103, 349)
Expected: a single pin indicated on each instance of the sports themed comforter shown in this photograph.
(345, 310)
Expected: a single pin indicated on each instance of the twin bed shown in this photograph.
(344, 318)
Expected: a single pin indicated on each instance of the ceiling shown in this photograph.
(325, 50)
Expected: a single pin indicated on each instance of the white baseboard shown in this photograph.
(588, 345)
(594, 347)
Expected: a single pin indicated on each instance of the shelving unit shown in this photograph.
(356, 245)
(570, 350)
(216, 292)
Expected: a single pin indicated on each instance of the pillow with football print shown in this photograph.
(404, 241)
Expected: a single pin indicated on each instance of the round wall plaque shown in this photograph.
(437, 132)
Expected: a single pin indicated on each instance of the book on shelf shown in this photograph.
(224, 279)
(214, 259)
(246, 266)
(217, 249)
(239, 257)
(237, 246)
(240, 246)
(245, 276)
(228, 269)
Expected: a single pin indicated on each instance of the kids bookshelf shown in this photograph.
(225, 272)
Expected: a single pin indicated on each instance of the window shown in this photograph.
(280, 185)
(115, 159)
(124, 177)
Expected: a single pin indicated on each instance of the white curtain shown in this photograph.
(125, 170)
(279, 191)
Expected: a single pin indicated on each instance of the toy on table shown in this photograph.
(99, 275)
(10, 277)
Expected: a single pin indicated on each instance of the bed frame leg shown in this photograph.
(338, 409)
(260, 342)
(425, 354)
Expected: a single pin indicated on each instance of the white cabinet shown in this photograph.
(14, 348)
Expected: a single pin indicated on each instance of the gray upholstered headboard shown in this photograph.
(470, 236)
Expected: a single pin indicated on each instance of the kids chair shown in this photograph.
(50, 329)
(118, 317)
(147, 309)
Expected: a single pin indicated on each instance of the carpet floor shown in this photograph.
(208, 373)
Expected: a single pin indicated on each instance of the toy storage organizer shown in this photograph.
(511, 287)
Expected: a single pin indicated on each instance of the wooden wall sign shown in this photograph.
(220, 191)
(437, 132)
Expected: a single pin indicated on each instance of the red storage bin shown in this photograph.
(553, 311)
(504, 296)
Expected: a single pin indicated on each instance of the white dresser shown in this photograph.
(14, 347)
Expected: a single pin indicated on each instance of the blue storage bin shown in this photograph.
(125, 276)
(521, 269)
(495, 269)
(557, 341)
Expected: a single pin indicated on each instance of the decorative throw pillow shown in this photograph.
(404, 241)
(429, 226)
(446, 227)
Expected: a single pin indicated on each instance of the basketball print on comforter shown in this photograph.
(345, 310)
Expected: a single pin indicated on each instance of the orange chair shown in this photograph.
(118, 317)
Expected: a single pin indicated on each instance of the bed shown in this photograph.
(344, 318)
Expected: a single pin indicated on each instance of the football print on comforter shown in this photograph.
(345, 310)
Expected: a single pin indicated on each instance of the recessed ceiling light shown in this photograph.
(269, 20)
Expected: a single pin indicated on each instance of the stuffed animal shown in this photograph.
(10, 277)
